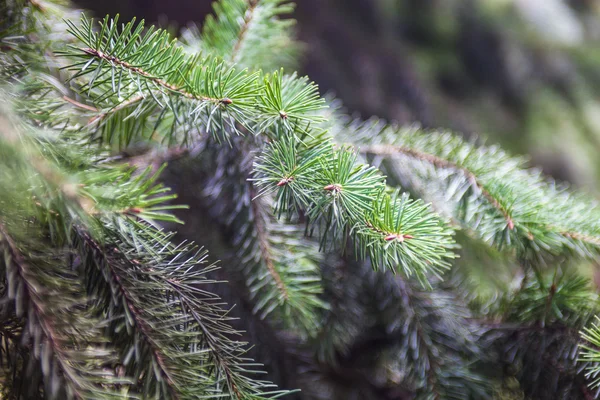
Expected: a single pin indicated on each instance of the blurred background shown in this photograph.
(521, 73)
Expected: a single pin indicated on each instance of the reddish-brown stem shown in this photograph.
(263, 244)
(443, 163)
(143, 326)
(158, 81)
(244, 28)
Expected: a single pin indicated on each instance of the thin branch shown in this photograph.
(144, 327)
(439, 162)
(263, 242)
(385, 150)
(119, 107)
(389, 236)
(434, 364)
(212, 343)
(582, 237)
(79, 105)
(252, 4)
(34, 295)
(158, 81)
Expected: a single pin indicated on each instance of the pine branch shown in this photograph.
(436, 343)
(65, 339)
(484, 184)
(280, 268)
(178, 323)
(249, 33)
(249, 15)
(124, 65)
(343, 197)
(539, 336)
(131, 309)
(154, 79)
(387, 150)
(157, 289)
(264, 245)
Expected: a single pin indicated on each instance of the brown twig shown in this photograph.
(154, 79)
(252, 4)
(442, 163)
(143, 326)
(263, 243)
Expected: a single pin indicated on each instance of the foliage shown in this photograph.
(97, 301)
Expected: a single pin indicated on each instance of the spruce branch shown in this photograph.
(126, 65)
(436, 345)
(387, 150)
(154, 287)
(539, 336)
(65, 339)
(264, 246)
(146, 82)
(342, 197)
(492, 193)
(249, 33)
(248, 17)
(279, 267)
(190, 351)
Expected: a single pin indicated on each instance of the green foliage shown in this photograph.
(250, 33)
(99, 303)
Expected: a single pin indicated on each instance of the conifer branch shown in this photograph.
(81, 366)
(592, 240)
(195, 339)
(128, 299)
(340, 195)
(279, 267)
(139, 85)
(475, 185)
(250, 33)
(129, 102)
(158, 81)
(389, 150)
(249, 15)
(264, 245)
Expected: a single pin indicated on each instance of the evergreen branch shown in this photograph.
(140, 322)
(477, 185)
(249, 33)
(279, 267)
(388, 150)
(592, 240)
(125, 68)
(342, 196)
(589, 352)
(249, 15)
(435, 345)
(264, 245)
(158, 280)
(181, 361)
(158, 81)
(80, 363)
(540, 332)
(124, 65)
